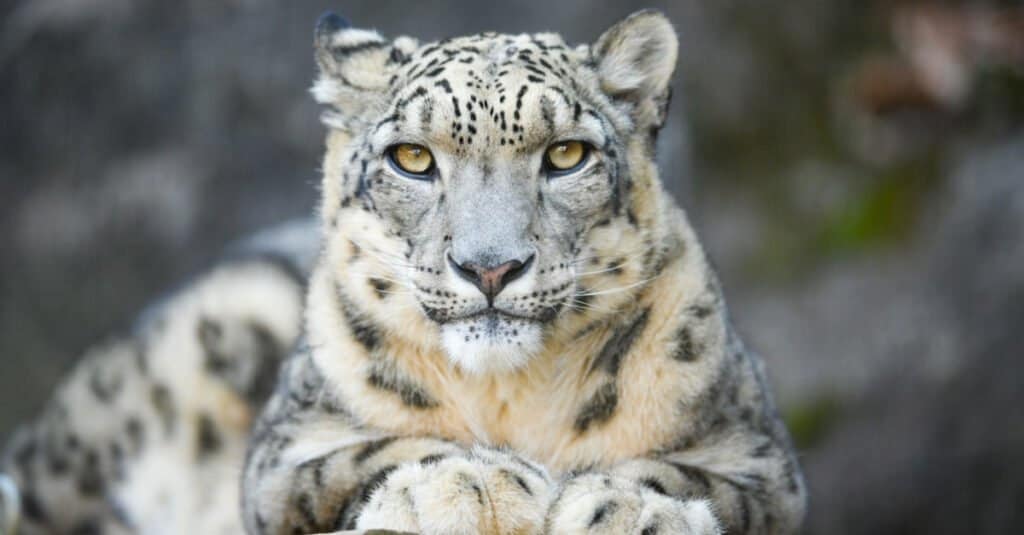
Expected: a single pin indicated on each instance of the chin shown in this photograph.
(491, 343)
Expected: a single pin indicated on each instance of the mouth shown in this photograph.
(491, 314)
(491, 340)
(447, 313)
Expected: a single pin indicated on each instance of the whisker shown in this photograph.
(616, 267)
(383, 256)
(577, 304)
(640, 251)
(394, 292)
(365, 274)
(621, 288)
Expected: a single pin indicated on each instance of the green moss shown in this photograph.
(884, 213)
(809, 423)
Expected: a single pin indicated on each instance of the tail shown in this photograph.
(10, 506)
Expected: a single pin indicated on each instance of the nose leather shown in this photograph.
(491, 280)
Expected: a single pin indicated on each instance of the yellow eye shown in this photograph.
(566, 155)
(412, 159)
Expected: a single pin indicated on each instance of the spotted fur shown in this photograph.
(148, 431)
(601, 391)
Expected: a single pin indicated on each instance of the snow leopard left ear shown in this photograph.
(635, 60)
(355, 70)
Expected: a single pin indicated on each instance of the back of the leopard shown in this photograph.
(147, 433)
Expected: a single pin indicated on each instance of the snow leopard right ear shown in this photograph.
(635, 60)
(355, 67)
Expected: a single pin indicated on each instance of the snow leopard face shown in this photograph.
(492, 176)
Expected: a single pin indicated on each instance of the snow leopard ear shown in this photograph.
(355, 69)
(635, 60)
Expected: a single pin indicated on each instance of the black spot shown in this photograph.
(522, 483)
(269, 351)
(386, 378)
(651, 529)
(261, 523)
(433, 458)
(792, 482)
(162, 402)
(756, 480)
(537, 471)
(370, 449)
(764, 450)
(117, 460)
(601, 512)
(443, 84)
(599, 408)
(57, 463)
(654, 485)
(317, 466)
(209, 440)
(380, 287)
(374, 481)
(90, 478)
(396, 56)
(744, 508)
(619, 344)
(141, 361)
(700, 311)
(700, 485)
(304, 503)
(31, 506)
(342, 51)
(615, 267)
(367, 334)
(686, 349)
(210, 333)
(105, 384)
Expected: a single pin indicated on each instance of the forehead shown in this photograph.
(491, 90)
(492, 56)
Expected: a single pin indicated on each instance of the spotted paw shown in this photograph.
(600, 504)
(484, 492)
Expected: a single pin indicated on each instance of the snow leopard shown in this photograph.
(507, 325)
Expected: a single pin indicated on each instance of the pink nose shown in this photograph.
(491, 280)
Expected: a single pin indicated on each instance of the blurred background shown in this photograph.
(856, 170)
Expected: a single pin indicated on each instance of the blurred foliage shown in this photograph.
(795, 120)
(810, 422)
(884, 212)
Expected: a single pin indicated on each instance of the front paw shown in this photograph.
(486, 491)
(602, 504)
